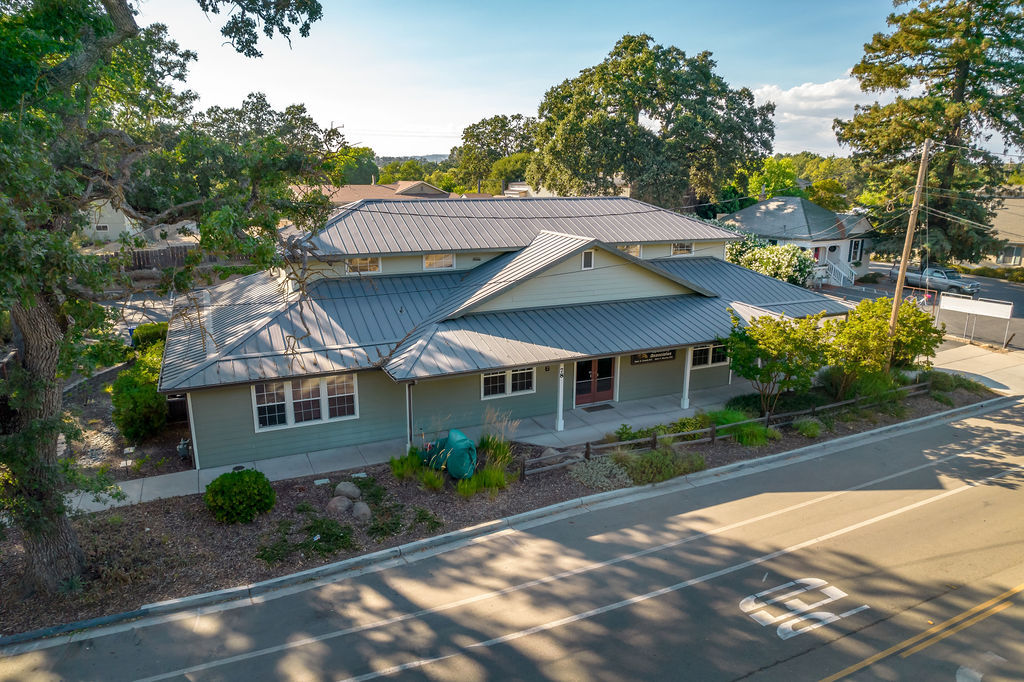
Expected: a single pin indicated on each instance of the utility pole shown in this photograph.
(897, 298)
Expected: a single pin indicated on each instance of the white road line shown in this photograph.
(551, 578)
(671, 588)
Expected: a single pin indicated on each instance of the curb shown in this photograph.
(419, 549)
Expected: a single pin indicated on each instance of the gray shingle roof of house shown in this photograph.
(375, 227)
(405, 323)
(796, 218)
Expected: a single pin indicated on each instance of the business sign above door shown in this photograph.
(655, 356)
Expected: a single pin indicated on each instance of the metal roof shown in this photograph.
(379, 227)
(796, 218)
(405, 324)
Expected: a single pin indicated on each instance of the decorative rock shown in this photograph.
(361, 511)
(338, 506)
(348, 489)
(549, 452)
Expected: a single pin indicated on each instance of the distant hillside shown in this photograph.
(434, 158)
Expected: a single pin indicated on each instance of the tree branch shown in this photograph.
(72, 70)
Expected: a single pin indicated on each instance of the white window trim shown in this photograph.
(289, 407)
(860, 250)
(379, 270)
(672, 249)
(444, 253)
(583, 259)
(710, 347)
(508, 383)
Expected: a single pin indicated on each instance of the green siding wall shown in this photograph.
(225, 434)
(566, 283)
(709, 377)
(652, 379)
(440, 404)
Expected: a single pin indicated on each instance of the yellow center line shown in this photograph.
(870, 660)
(952, 631)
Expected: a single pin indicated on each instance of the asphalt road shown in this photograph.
(986, 329)
(898, 559)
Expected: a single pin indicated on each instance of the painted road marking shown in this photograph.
(997, 604)
(796, 609)
(305, 641)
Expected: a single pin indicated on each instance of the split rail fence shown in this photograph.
(710, 434)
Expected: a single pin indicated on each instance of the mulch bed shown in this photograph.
(173, 548)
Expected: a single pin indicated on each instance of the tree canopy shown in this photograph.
(651, 118)
(89, 112)
(957, 68)
(488, 141)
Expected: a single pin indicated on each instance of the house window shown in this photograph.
(282, 404)
(101, 228)
(507, 382)
(341, 396)
(709, 356)
(439, 261)
(355, 266)
(1011, 255)
(682, 249)
(632, 249)
(271, 408)
(588, 260)
(856, 250)
(306, 400)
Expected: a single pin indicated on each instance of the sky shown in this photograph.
(405, 78)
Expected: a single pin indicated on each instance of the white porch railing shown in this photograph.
(836, 274)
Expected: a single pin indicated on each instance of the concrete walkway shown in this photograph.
(1002, 371)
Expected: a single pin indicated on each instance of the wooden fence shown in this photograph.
(711, 434)
(164, 257)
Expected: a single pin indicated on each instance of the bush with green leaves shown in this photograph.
(658, 465)
(600, 473)
(139, 410)
(145, 335)
(808, 427)
(239, 496)
(946, 382)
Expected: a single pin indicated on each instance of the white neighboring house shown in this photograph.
(107, 224)
(1008, 224)
(837, 240)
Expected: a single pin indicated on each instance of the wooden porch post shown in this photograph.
(687, 364)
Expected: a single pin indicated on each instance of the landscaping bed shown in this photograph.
(173, 548)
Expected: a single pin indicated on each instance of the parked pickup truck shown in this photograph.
(939, 279)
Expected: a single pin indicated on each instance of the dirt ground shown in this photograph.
(102, 445)
(159, 550)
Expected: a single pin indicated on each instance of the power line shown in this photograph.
(978, 151)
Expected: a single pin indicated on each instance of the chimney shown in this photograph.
(841, 226)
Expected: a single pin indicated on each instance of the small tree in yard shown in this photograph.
(139, 410)
(860, 345)
(776, 354)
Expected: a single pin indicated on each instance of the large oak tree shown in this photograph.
(651, 118)
(88, 112)
(957, 68)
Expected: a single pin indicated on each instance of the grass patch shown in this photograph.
(808, 427)
(941, 398)
(657, 465)
(425, 517)
(489, 478)
(373, 492)
(496, 451)
(406, 467)
(944, 382)
(430, 479)
(326, 537)
(387, 521)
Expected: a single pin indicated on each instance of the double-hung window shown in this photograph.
(856, 250)
(682, 249)
(281, 404)
(709, 356)
(588, 260)
(507, 382)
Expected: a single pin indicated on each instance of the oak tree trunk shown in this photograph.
(53, 554)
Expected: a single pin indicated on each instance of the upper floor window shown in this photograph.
(588, 260)
(280, 404)
(439, 261)
(354, 266)
(682, 249)
(632, 249)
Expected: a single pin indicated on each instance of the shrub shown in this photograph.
(727, 416)
(406, 467)
(1016, 276)
(327, 536)
(145, 335)
(425, 517)
(808, 427)
(870, 278)
(753, 435)
(373, 492)
(387, 521)
(600, 473)
(239, 496)
(139, 411)
(945, 382)
(657, 465)
(430, 479)
(491, 478)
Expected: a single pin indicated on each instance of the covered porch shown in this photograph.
(584, 424)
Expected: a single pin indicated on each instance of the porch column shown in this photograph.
(408, 416)
(687, 364)
(559, 421)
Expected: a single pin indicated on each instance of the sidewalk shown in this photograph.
(1002, 371)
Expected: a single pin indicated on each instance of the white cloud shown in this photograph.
(804, 113)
